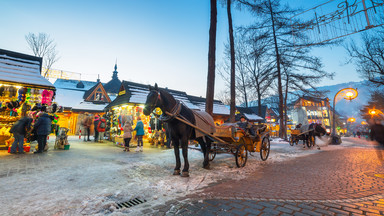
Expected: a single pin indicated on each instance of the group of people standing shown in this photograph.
(128, 130)
(40, 124)
(100, 125)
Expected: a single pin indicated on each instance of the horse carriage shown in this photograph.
(307, 134)
(229, 138)
(185, 124)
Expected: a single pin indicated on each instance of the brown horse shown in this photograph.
(180, 132)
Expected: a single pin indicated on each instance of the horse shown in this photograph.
(179, 131)
(315, 130)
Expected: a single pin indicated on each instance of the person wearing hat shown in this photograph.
(43, 129)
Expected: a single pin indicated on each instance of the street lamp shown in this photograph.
(346, 93)
(374, 111)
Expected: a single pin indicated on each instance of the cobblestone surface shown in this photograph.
(339, 182)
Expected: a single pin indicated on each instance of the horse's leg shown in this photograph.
(207, 146)
(203, 147)
(177, 155)
(184, 146)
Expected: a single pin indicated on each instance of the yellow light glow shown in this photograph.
(372, 112)
(18, 87)
(363, 123)
(351, 119)
(349, 94)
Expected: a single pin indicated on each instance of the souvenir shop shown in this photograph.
(119, 114)
(22, 89)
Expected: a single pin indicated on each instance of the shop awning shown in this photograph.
(23, 69)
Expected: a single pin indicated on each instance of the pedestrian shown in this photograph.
(102, 124)
(139, 134)
(86, 123)
(95, 124)
(358, 134)
(377, 135)
(43, 129)
(19, 130)
(127, 134)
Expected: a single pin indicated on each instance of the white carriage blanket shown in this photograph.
(205, 122)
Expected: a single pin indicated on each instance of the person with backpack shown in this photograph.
(127, 134)
(101, 128)
(19, 129)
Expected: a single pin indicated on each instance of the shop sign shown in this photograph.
(122, 92)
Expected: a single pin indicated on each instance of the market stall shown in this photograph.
(22, 88)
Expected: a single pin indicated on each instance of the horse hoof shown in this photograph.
(176, 172)
(185, 174)
(207, 167)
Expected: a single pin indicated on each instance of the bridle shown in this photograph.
(158, 98)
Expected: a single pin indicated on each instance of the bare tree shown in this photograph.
(45, 47)
(211, 59)
(369, 56)
(296, 66)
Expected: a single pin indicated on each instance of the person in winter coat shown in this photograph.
(127, 134)
(43, 129)
(377, 135)
(19, 129)
(139, 134)
(101, 128)
(95, 124)
(86, 123)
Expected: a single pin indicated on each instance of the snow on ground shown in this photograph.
(91, 178)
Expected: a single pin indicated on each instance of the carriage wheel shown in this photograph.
(212, 154)
(291, 141)
(265, 148)
(241, 155)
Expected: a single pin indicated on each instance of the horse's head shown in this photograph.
(153, 100)
(319, 129)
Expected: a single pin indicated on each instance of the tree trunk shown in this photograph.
(259, 101)
(280, 87)
(211, 59)
(286, 108)
(232, 47)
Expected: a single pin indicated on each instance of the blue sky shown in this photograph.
(153, 41)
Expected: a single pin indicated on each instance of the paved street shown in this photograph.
(91, 178)
(347, 181)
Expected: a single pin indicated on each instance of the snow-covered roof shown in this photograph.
(68, 97)
(21, 68)
(89, 106)
(71, 84)
(253, 117)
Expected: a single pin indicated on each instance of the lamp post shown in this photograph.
(346, 93)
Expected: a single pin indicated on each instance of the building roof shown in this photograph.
(72, 84)
(255, 110)
(113, 86)
(68, 98)
(21, 68)
(89, 107)
(248, 113)
(218, 107)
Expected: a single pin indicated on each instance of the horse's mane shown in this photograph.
(167, 96)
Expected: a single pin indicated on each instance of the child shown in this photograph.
(127, 135)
